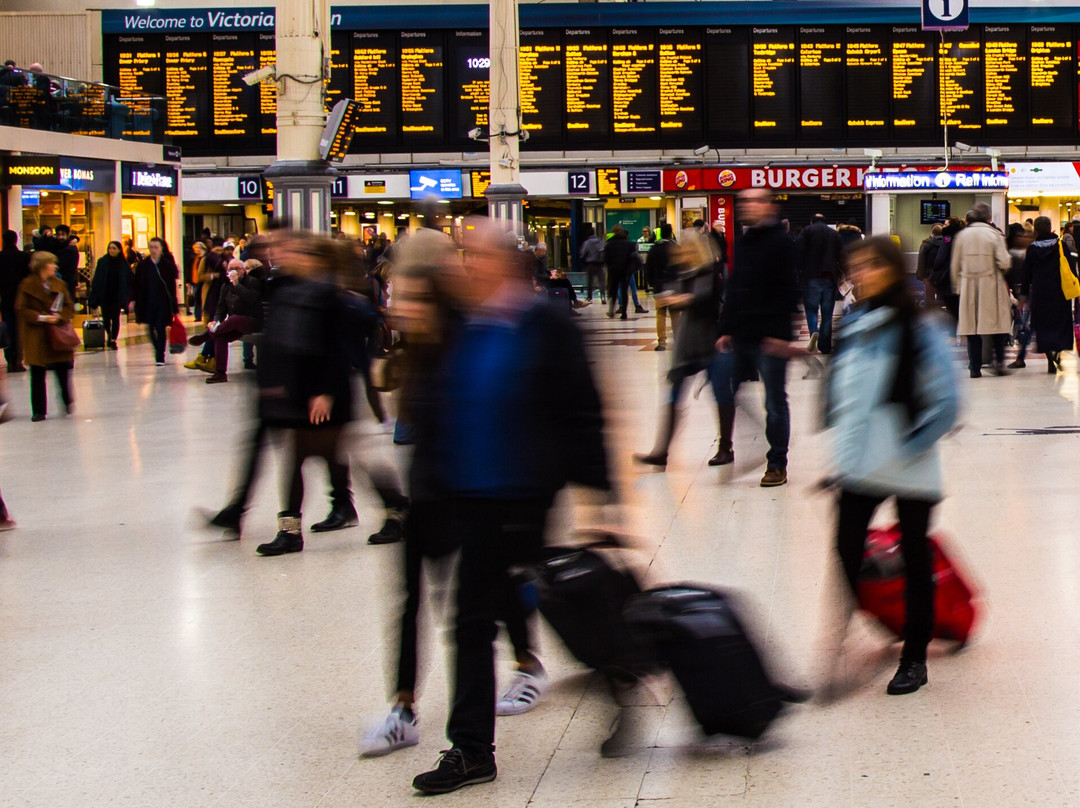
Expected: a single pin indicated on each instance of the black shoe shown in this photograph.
(640, 310)
(228, 519)
(976, 374)
(998, 369)
(454, 771)
(723, 457)
(199, 339)
(389, 533)
(1019, 363)
(660, 348)
(339, 519)
(37, 418)
(283, 543)
(910, 676)
(112, 346)
(622, 316)
(651, 460)
(249, 366)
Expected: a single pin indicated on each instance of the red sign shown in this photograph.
(722, 209)
(683, 179)
(816, 178)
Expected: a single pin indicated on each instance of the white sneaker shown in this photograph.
(524, 693)
(392, 733)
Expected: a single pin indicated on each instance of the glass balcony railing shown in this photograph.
(57, 104)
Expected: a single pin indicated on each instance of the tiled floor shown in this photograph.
(144, 662)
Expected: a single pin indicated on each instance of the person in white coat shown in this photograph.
(980, 260)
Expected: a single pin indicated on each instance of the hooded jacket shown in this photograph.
(1040, 281)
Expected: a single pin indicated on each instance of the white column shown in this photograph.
(302, 39)
(880, 218)
(14, 206)
(505, 194)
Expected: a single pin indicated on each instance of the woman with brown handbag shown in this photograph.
(45, 310)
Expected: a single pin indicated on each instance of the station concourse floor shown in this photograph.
(145, 662)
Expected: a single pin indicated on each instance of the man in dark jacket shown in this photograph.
(619, 258)
(14, 266)
(239, 313)
(519, 418)
(661, 273)
(67, 257)
(755, 329)
(819, 248)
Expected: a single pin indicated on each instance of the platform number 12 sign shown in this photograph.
(945, 15)
(577, 182)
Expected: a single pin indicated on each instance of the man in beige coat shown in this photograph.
(979, 263)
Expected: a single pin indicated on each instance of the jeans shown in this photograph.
(594, 272)
(157, 324)
(820, 295)
(633, 291)
(495, 535)
(729, 370)
(975, 349)
(1023, 333)
(856, 511)
(39, 401)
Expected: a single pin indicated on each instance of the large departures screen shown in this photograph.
(630, 86)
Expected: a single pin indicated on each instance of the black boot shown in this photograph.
(725, 454)
(289, 538)
(229, 518)
(389, 533)
(340, 517)
(909, 677)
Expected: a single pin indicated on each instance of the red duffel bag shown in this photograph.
(882, 584)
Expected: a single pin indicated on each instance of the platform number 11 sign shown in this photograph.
(945, 15)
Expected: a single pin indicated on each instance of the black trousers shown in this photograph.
(975, 349)
(252, 455)
(110, 315)
(39, 401)
(594, 272)
(322, 442)
(856, 511)
(496, 535)
(157, 324)
(13, 352)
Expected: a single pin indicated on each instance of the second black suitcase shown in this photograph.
(93, 334)
(583, 597)
(698, 634)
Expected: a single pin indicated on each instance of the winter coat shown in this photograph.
(819, 248)
(978, 265)
(14, 266)
(928, 253)
(67, 264)
(32, 301)
(592, 250)
(212, 277)
(762, 290)
(1051, 313)
(879, 449)
(695, 340)
(155, 284)
(660, 271)
(106, 268)
(244, 298)
(619, 256)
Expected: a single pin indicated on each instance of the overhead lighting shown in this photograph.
(145, 3)
(44, 193)
(444, 201)
(232, 204)
(386, 201)
(350, 213)
(388, 215)
(656, 198)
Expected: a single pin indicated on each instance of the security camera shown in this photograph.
(700, 150)
(259, 76)
(963, 146)
(875, 153)
(505, 162)
(476, 134)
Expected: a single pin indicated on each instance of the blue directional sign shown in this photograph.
(945, 15)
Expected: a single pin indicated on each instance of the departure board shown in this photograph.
(914, 84)
(267, 91)
(187, 86)
(821, 77)
(772, 82)
(1052, 66)
(472, 86)
(868, 76)
(628, 86)
(727, 85)
(681, 79)
(233, 103)
(1005, 76)
(634, 86)
(960, 81)
(423, 77)
(588, 86)
(541, 77)
(375, 87)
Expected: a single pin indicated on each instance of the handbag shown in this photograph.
(177, 336)
(62, 336)
(1069, 284)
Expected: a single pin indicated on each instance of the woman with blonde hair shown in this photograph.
(42, 305)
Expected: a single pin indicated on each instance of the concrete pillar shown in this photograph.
(302, 181)
(880, 219)
(505, 194)
(14, 210)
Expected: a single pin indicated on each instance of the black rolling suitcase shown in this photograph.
(93, 335)
(583, 596)
(697, 633)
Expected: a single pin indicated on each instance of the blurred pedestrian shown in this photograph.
(14, 267)
(756, 330)
(44, 301)
(109, 290)
(661, 273)
(890, 396)
(155, 295)
(978, 265)
(592, 259)
(619, 259)
(819, 249)
(519, 418)
(1041, 292)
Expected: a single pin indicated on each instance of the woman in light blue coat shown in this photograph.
(891, 395)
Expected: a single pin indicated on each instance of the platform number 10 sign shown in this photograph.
(249, 187)
(945, 15)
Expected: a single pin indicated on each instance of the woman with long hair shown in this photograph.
(1041, 293)
(109, 289)
(890, 396)
(43, 302)
(155, 294)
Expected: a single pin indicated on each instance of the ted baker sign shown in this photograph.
(794, 178)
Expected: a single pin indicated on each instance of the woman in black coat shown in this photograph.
(155, 295)
(109, 289)
(1040, 288)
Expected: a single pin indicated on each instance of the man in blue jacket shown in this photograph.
(519, 418)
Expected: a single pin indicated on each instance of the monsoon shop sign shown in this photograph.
(936, 181)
